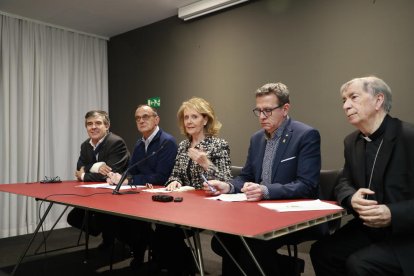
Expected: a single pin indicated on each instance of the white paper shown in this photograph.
(310, 205)
(164, 190)
(108, 186)
(230, 197)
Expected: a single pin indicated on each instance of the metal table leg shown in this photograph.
(230, 255)
(252, 255)
(51, 229)
(33, 237)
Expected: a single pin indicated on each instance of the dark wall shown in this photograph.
(311, 46)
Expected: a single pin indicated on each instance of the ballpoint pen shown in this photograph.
(212, 189)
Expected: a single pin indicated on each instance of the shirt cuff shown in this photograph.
(265, 192)
(82, 176)
(232, 189)
(96, 166)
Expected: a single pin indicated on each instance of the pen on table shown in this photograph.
(212, 189)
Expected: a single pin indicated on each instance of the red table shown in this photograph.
(245, 219)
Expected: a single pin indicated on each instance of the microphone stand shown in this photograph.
(124, 175)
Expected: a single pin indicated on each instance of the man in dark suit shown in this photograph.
(101, 153)
(377, 187)
(159, 149)
(283, 162)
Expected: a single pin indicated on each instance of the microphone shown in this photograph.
(124, 175)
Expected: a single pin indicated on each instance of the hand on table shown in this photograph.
(253, 191)
(173, 186)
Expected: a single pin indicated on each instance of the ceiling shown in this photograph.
(104, 18)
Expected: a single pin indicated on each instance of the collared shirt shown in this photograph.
(149, 139)
(95, 167)
(272, 144)
(96, 147)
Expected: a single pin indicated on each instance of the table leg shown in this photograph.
(32, 239)
(229, 254)
(51, 229)
(252, 255)
(199, 251)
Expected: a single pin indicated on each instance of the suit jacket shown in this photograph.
(157, 168)
(296, 164)
(113, 152)
(394, 183)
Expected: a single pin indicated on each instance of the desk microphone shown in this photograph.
(124, 175)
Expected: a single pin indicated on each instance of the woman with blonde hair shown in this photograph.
(202, 153)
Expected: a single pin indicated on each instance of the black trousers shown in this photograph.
(96, 222)
(264, 251)
(170, 250)
(355, 250)
(137, 234)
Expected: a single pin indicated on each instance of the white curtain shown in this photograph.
(49, 79)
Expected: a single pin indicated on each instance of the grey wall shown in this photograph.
(312, 46)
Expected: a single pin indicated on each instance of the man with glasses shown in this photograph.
(283, 162)
(155, 170)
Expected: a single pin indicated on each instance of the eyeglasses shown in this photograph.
(144, 117)
(55, 179)
(266, 111)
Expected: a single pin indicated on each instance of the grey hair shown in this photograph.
(375, 86)
(98, 113)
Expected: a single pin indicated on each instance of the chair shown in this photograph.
(327, 182)
(235, 171)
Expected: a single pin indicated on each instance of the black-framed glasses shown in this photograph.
(54, 179)
(144, 117)
(265, 111)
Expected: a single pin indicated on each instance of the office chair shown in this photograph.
(235, 170)
(327, 182)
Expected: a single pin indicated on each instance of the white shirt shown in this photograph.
(149, 139)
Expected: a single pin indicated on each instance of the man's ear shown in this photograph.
(379, 101)
(286, 108)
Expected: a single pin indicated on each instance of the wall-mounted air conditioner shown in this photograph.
(203, 7)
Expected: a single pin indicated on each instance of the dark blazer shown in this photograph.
(113, 152)
(155, 169)
(394, 181)
(296, 165)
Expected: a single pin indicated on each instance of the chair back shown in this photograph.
(327, 182)
(235, 171)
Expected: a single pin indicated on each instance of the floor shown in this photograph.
(73, 261)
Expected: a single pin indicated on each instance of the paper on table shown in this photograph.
(164, 190)
(108, 186)
(230, 197)
(310, 205)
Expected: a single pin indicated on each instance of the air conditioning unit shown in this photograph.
(203, 7)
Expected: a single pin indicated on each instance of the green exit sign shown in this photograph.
(154, 102)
